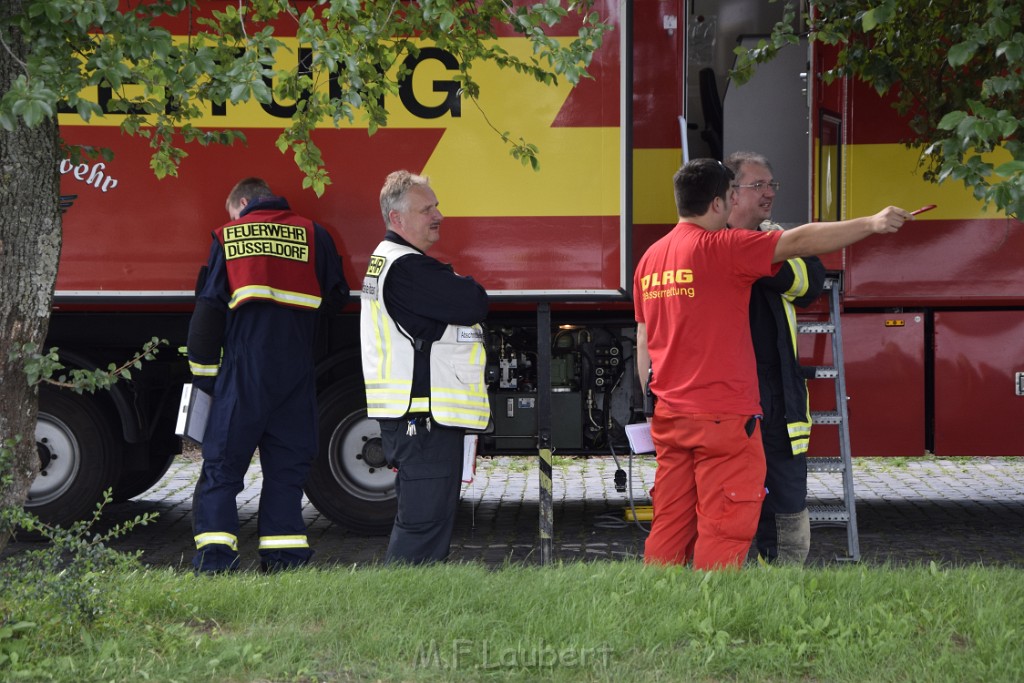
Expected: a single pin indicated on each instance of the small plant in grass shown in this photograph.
(63, 583)
(67, 573)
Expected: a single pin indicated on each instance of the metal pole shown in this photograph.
(547, 519)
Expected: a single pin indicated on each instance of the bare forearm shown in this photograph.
(643, 357)
(821, 238)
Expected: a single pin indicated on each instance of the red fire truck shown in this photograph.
(933, 318)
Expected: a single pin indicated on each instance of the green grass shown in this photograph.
(613, 621)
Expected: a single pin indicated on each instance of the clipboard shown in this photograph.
(193, 413)
(639, 436)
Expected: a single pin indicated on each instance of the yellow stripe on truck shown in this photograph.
(580, 166)
(653, 201)
(884, 174)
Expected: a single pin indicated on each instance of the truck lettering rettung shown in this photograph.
(933, 317)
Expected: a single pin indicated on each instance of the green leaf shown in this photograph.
(951, 120)
(961, 53)
(868, 20)
(1010, 168)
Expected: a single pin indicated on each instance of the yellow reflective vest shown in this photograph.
(458, 395)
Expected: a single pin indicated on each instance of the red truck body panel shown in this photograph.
(559, 232)
(571, 234)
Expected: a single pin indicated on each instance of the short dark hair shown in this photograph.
(249, 189)
(698, 182)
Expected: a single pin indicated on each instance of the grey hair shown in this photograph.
(396, 186)
(735, 160)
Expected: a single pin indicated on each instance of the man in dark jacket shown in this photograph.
(784, 531)
(250, 345)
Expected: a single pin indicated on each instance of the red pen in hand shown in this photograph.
(929, 207)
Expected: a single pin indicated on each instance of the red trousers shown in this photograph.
(707, 490)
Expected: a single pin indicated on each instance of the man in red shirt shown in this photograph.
(691, 294)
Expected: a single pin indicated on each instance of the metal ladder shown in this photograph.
(845, 512)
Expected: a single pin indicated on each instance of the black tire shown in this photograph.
(349, 482)
(79, 457)
(133, 482)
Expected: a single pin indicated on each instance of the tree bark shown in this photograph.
(30, 239)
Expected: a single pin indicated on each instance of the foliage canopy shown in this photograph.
(229, 57)
(954, 69)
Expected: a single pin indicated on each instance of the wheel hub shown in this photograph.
(358, 462)
(59, 460)
(373, 453)
(45, 456)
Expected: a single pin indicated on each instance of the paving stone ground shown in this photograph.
(909, 511)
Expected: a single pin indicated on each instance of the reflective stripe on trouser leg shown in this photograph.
(216, 551)
(227, 451)
(279, 542)
(215, 513)
(286, 451)
(216, 537)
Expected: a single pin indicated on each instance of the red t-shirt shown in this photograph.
(692, 290)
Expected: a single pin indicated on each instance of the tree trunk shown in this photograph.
(30, 238)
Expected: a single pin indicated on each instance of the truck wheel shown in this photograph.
(133, 482)
(349, 481)
(78, 457)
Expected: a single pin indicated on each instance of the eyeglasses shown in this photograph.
(760, 185)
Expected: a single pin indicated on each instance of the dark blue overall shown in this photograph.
(264, 398)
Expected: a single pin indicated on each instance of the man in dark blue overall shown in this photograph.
(250, 346)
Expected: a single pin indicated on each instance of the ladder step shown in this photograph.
(825, 372)
(816, 328)
(819, 464)
(828, 513)
(826, 417)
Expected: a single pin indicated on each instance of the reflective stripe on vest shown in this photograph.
(458, 395)
(217, 538)
(388, 388)
(281, 296)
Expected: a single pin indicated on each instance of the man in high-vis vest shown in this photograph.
(784, 530)
(250, 345)
(423, 365)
